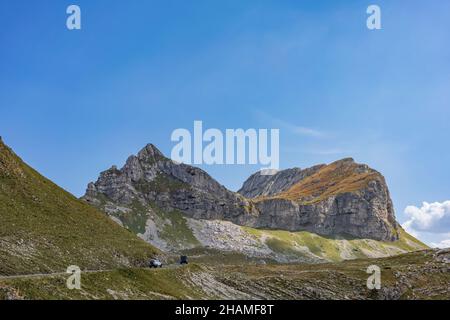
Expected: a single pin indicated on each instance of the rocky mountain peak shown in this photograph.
(151, 179)
(150, 153)
(348, 160)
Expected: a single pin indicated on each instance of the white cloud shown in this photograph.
(431, 217)
(442, 244)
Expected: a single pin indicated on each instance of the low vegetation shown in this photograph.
(45, 229)
(336, 248)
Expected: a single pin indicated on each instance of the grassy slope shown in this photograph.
(410, 276)
(45, 229)
(335, 178)
(334, 249)
(131, 283)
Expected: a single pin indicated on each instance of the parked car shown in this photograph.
(183, 260)
(155, 263)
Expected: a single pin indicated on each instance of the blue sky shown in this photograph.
(73, 103)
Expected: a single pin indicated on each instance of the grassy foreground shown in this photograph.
(418, 275)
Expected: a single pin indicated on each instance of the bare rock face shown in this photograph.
(267, 185)
(152, 178)
(361, 215)
(343, 198)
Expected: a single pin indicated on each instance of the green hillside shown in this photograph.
(336, 248)
(45, 229)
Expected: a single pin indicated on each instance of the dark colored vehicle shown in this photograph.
(155, 263)
(183, 260)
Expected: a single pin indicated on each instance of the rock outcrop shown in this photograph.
(258, 184)
(151, 178)
(343, 198)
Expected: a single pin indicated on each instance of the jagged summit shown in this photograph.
(150, 152)
(345, 160)
(152, 179)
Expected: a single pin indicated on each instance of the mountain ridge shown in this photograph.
(177, 207)
(360, 196)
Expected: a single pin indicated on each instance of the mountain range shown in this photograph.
(328, 212)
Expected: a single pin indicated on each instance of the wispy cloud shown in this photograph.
(293, 128)
(304, 131)
(327, 152)
(317, 151)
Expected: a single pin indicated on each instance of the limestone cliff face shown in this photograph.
(343, 198)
